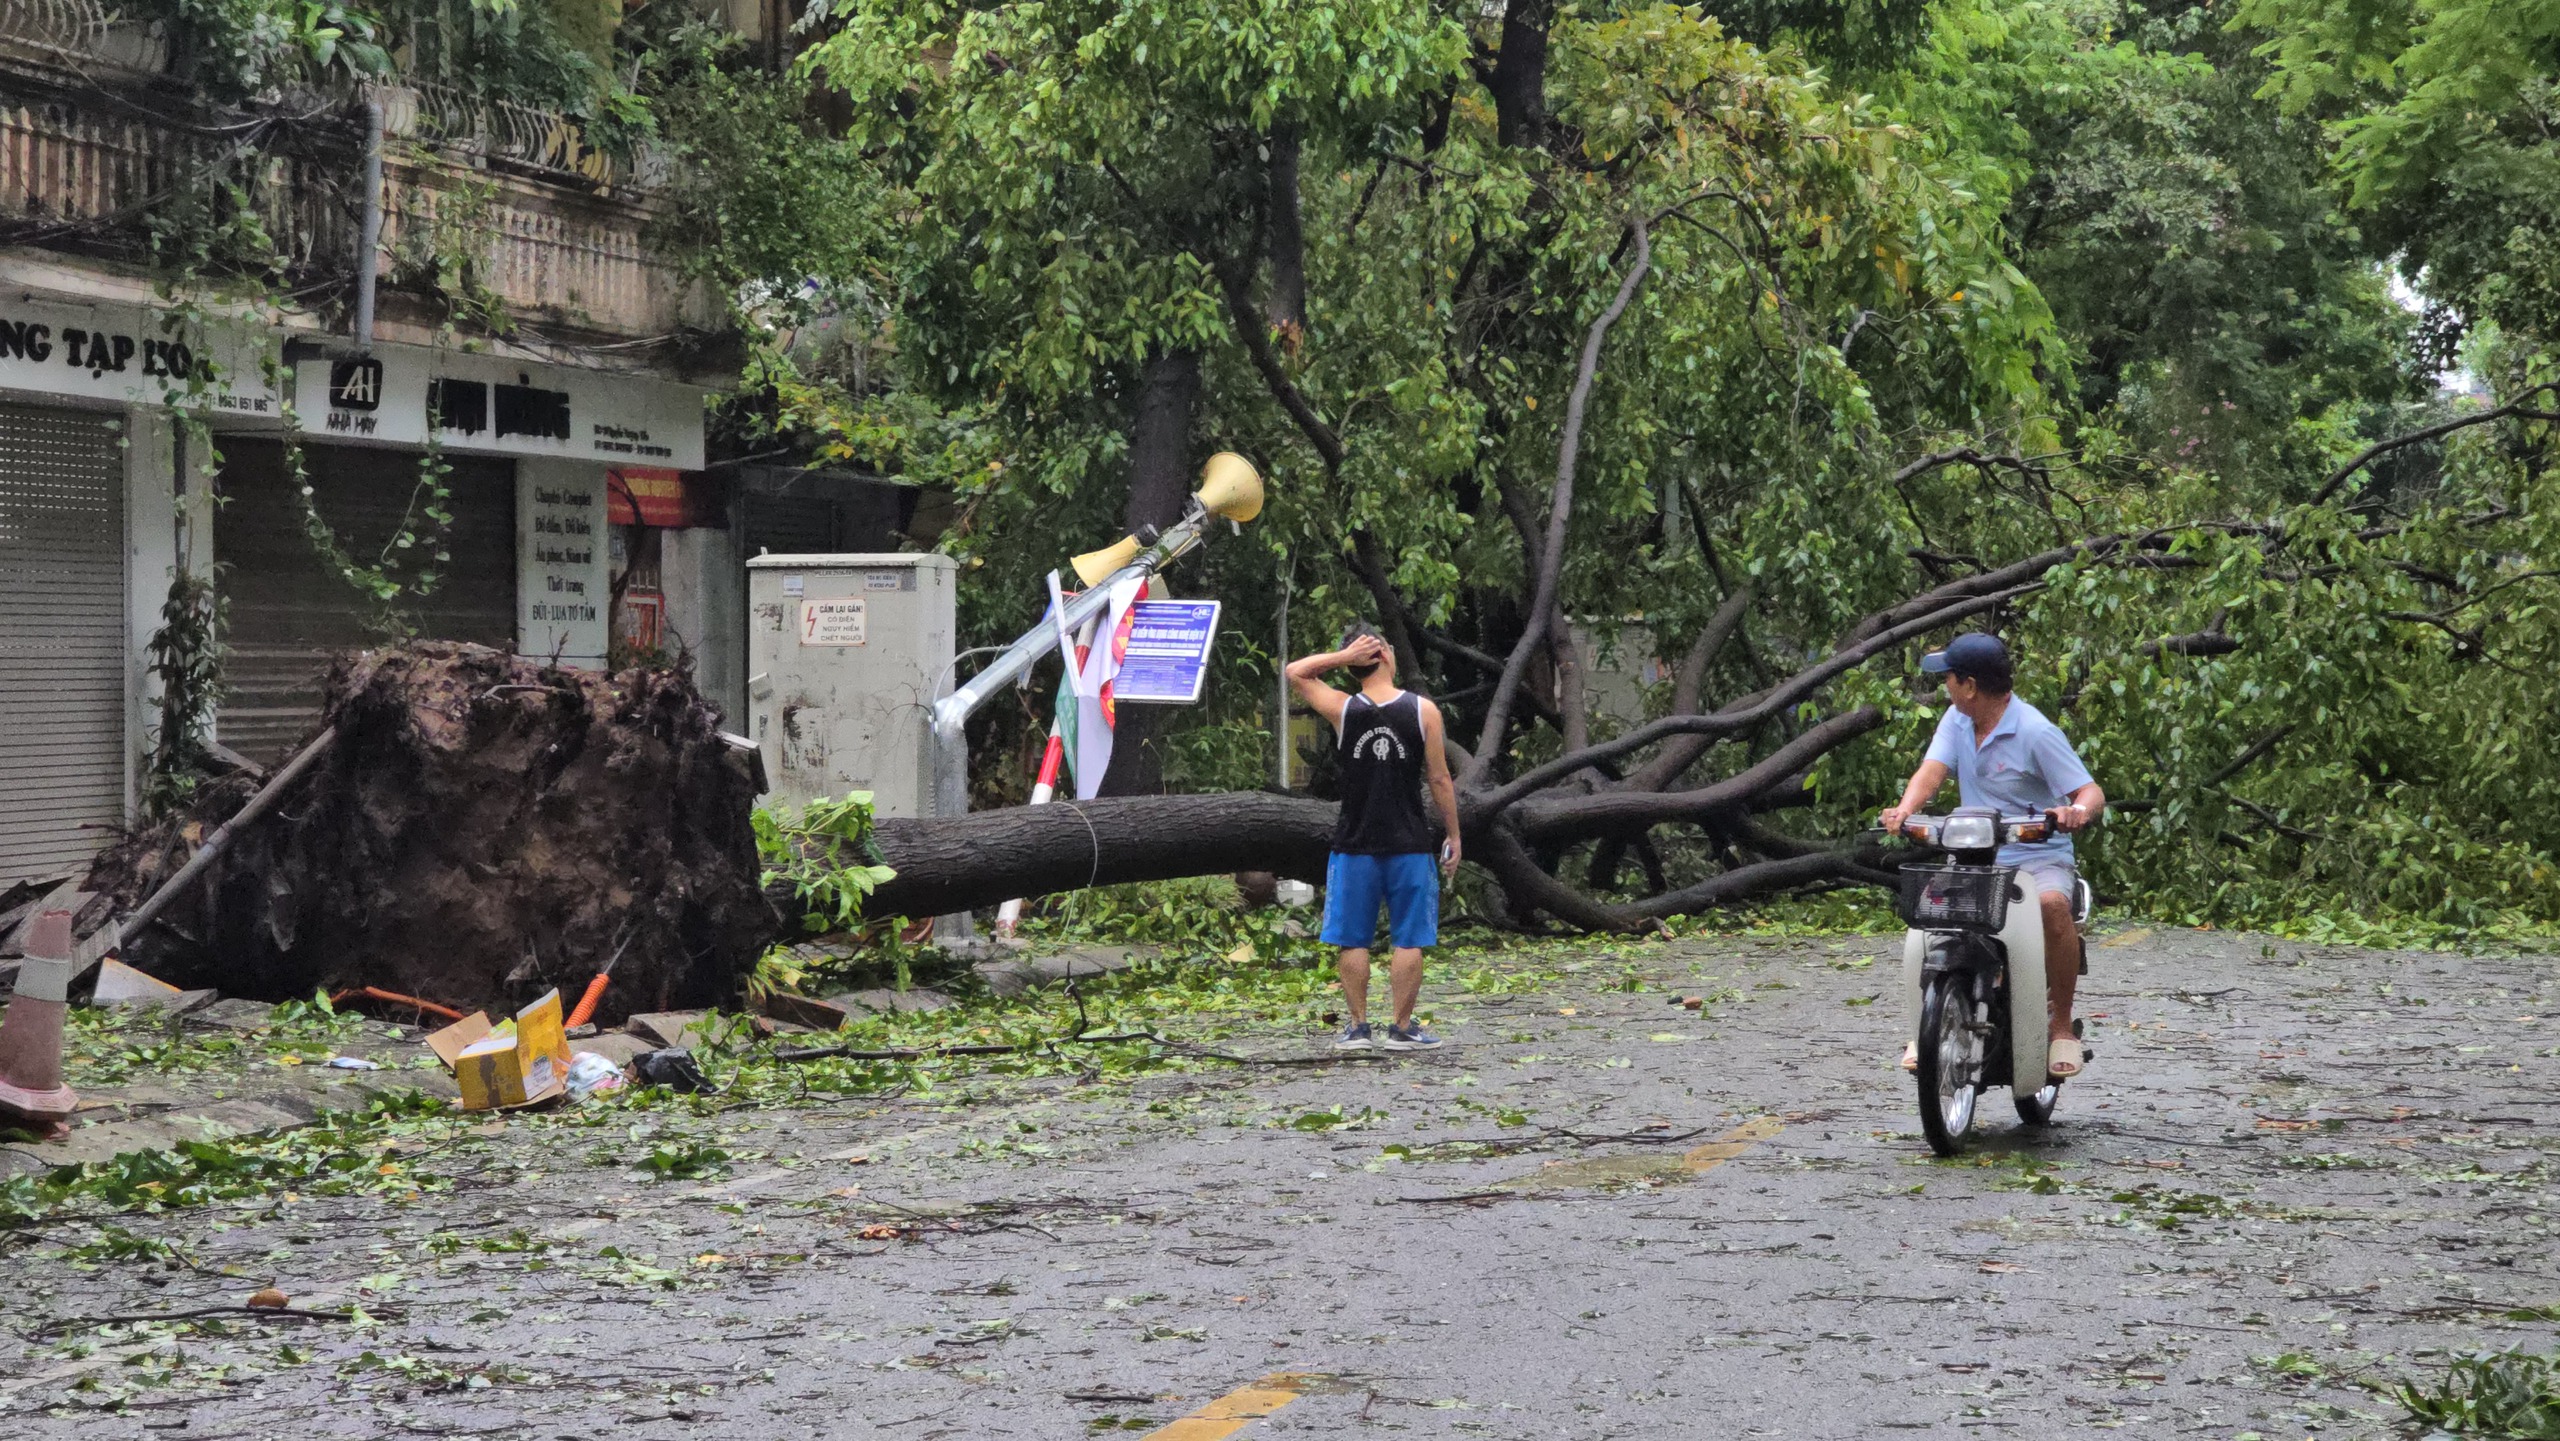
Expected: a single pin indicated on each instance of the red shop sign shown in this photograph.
(648, 495)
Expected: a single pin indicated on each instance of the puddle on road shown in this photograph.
(1600, 1173)
(1618, 1173)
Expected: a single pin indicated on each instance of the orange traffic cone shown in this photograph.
(31, 1089)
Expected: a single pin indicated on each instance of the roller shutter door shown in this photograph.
(62, 639)
(289, 612)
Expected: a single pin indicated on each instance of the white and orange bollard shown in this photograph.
(1009, 915)
(31, 1089)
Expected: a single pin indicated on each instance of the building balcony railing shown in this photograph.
(521, 135)
(559, 229)
(78, 26)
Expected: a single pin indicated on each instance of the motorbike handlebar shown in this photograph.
(2028, 828)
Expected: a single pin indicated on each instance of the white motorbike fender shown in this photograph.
(2023, 935)
(2029, 1023)
(1915, 952)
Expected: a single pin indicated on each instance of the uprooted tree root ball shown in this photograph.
(484, 827)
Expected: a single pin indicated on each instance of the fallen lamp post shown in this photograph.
(1230, 490)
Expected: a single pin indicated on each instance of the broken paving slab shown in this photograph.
(122, 985)
(212, 1121)
(803, 1010)
(182, 1003)
(1014, 977)
(235, 1015)
(618, 1047)
(694, 1029)
(892, 1002)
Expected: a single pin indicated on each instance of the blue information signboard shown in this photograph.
(1168, 656)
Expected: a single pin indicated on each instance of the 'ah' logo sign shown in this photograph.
(355, 384)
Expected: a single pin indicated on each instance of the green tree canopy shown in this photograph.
(1806, 348)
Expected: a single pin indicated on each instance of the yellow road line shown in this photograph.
(1731, 1144)
(1237, 1409)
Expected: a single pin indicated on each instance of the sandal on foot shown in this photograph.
(2062, 1057)
(1911, 1058)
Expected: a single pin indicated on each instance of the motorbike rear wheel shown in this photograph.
(1950, 1070)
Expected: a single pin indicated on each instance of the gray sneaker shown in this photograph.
(1355, 1037)
(1411, 1038)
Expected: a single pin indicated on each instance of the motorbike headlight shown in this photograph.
(1969, 833)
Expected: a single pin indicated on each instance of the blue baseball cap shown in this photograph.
(1971, 654)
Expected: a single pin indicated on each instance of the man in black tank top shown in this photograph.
(1388, 744)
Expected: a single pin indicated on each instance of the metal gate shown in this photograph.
(62, 639)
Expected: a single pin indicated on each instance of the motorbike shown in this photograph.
(1973, 972)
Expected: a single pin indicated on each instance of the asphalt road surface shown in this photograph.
(2292, 1177)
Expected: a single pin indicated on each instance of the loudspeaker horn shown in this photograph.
(1095, 566)
(1230, 487)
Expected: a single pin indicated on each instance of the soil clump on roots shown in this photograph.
(485, 827)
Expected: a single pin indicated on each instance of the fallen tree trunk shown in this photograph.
(988, 857)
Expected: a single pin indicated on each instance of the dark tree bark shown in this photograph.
(1160, 480)
(1160, 477)
(1519, 82)
(988, 857)
(1287, 302)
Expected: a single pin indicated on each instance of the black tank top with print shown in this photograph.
(1380, 759)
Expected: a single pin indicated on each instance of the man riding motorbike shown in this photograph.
(2007, 757)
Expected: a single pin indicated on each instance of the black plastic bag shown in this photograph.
(674, 1068)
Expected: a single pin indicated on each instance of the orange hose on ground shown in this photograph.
(397, 999)
(586, 1010)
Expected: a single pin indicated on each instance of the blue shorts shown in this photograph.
(1355, 886)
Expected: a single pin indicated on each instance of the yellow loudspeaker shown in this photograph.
(1231, 487)
(1095, 566)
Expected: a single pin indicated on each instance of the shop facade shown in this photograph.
(104, 498)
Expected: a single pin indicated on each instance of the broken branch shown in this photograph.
(1560, 510)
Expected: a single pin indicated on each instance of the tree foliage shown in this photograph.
(2068, 317)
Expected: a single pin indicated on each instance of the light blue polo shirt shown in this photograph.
(2025, 765)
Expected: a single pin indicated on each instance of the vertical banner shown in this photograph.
(563, 585)
(1094, 714)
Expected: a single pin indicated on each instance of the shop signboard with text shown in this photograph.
(129, 355)
(667, 499)
(490, 405)
(563, 580)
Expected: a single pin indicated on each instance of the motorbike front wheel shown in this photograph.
(1950, 1071)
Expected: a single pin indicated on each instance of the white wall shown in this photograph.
(152, 538)
(705, 580)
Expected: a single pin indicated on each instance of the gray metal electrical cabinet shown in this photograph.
(843, 656)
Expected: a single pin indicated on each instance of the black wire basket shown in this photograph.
(1954, 898)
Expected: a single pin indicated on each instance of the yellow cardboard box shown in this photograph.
(538, 1027)
(519, 1064)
